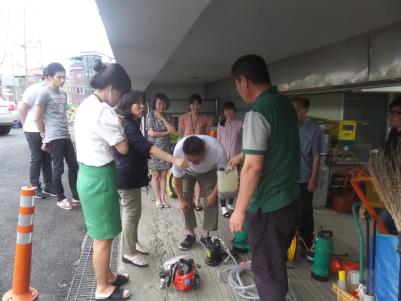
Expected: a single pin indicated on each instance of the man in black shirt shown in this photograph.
(394, 120)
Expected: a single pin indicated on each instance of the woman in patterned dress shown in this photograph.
(159, 129)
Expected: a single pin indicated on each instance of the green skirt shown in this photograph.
(99, 200)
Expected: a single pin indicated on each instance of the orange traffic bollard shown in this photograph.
(21, 290)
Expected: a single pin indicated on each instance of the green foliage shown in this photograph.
(174, 138)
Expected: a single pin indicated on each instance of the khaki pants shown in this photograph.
(207, 182)
(131, 204)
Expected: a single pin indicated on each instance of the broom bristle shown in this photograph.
(385, 170)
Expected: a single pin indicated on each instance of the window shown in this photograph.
(80, 90)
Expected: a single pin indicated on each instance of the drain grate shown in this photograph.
(83, 284)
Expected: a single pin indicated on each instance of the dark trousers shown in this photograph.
(270, 235)
(40, 160)
(306, 223)
(61, 149)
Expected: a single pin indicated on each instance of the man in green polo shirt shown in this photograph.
(269, 192)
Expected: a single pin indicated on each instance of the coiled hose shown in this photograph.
(231, 274)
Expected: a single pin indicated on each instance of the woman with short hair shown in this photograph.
(159, 129)
(132, 174)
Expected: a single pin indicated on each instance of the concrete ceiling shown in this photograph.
(171, 41)
(143, 34)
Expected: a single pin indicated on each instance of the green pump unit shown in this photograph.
(323, 251)
(240, 241)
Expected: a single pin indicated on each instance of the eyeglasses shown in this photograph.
(394, 112)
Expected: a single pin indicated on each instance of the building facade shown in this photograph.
(80, 73)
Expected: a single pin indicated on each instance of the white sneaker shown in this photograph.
(141, 249)
(136, 260)
(64, 204)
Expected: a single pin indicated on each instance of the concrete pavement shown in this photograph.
(57, 234)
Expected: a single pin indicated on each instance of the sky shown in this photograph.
(55, 31)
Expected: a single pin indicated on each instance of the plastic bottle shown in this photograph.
(227, 183)
(342, 280)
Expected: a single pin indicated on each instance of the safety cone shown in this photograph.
(21, 290)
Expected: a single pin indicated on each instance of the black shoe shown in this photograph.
(205, 241)
(188, 242)
(39, 194)
(49, 192)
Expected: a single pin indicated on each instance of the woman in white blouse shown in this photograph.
(98, 129)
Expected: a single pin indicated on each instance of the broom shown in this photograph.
(385, 169)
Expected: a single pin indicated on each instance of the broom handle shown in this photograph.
(368, 284)
(399, 275)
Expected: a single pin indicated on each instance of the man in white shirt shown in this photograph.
(39, 158)
(205, 155)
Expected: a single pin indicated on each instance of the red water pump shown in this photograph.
(183, 274)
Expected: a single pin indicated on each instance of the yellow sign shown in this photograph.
(347, 130)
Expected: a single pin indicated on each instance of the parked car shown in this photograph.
(8, 116)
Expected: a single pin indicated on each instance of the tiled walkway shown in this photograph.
(161, 231)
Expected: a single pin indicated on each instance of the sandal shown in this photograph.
(159, 204)
(198, 208)
(136, 260)
(121, 280)
(118, 294)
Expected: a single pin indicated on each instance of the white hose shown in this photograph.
(231, 274)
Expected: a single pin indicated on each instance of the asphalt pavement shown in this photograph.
(57, 234)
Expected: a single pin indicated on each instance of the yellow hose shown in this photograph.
(292, 250)
(170, 184)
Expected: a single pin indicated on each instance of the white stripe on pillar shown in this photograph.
(25, 220)
(24, 238)
(26, 201)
